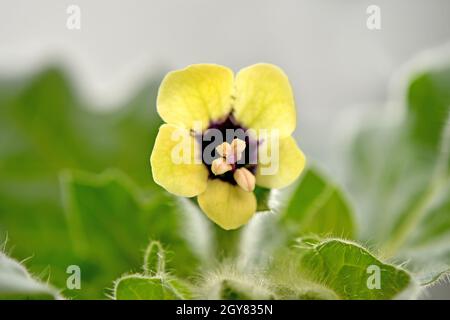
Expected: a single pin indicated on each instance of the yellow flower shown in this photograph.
(206, 98)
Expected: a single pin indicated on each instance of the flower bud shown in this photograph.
(245, 179)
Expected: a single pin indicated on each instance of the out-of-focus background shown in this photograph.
(335, 63)
(339, 69)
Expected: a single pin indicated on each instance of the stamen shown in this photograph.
(245, 179)
(232, 155)
(224, 149)
(238, 147)
(220, 166)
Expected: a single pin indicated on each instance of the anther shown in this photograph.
(220, 166)
(245, 179)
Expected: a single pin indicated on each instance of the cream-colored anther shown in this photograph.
(245, 179)
(238, 147)
(220, 166)
(224, 149)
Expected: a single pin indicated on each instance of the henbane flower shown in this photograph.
(257, 107)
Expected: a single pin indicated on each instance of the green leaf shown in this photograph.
(435, 227)
(427, 250)
(429, 106)
(45, 128)
(399, 176)
(16, 283)
(138, 287)
(318, 206)
(351, 271)
(42, 117)
(429, 102)
(34, 121)
(424, 227)
(380, 182)
(110, 222)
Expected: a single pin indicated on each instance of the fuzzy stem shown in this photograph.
(227, 242)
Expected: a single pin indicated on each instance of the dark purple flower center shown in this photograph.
(226, 130)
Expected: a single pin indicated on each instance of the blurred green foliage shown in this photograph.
(110, 223)
(76, 189)
(399, 178)
(44, 130)
(319, 207)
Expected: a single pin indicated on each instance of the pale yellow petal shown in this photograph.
(176, 164)
(264, 99)
(227, 205)
(279, 169)
(198, 93)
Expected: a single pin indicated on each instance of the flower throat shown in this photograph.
(230, 132)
